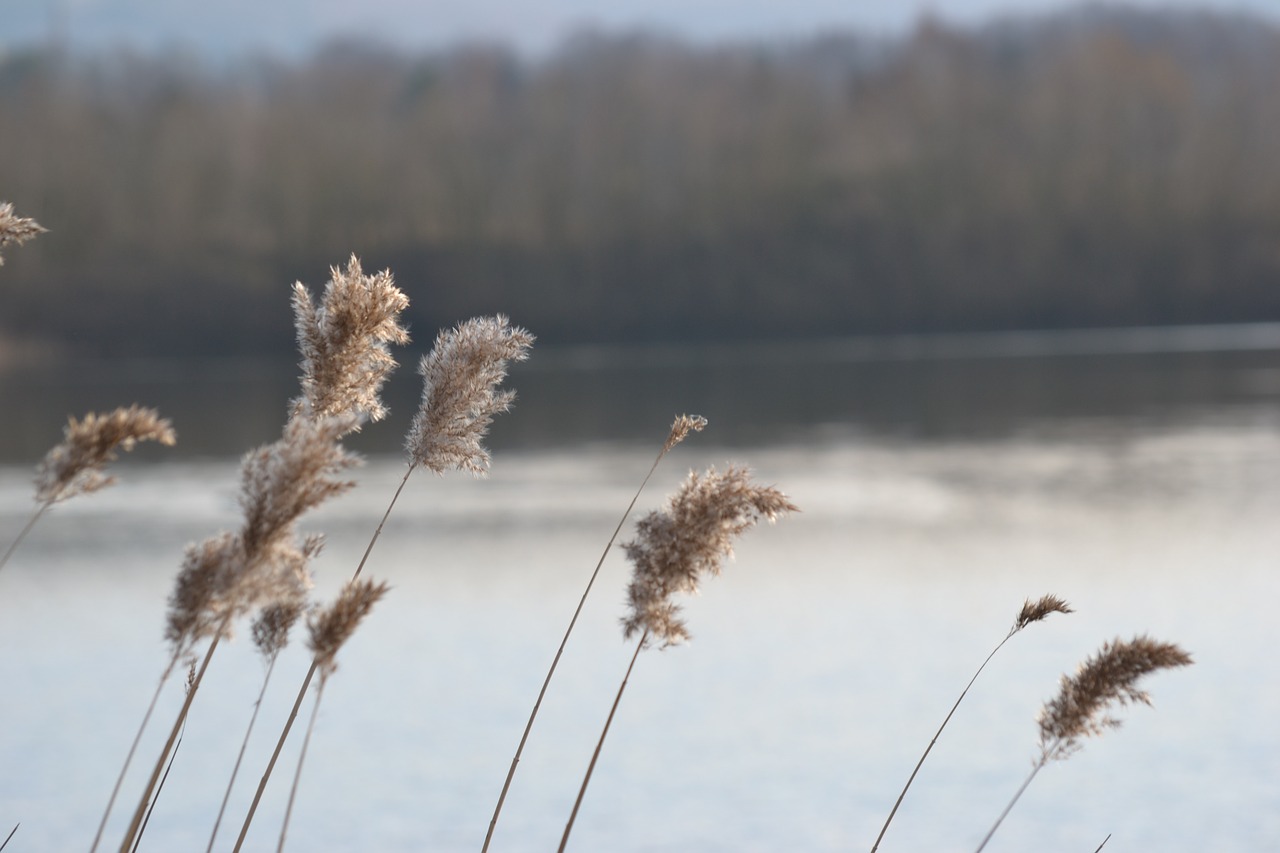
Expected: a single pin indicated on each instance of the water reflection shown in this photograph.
(912, 388)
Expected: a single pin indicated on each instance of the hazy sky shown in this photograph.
(293, 26)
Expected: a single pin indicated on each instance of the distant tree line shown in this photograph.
(1092, 168)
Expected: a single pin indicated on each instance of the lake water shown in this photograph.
(942, 481)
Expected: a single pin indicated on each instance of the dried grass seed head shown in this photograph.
(75, 467)
(281, 481)
(271, 627)
(690, 538)
(331, 627)
(16, 229)
(459, 394)
(1106, 679)
(681, 427)
(344, 342)
(1034, 611)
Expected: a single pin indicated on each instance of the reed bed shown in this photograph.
(260, 573)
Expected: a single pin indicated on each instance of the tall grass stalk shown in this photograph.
(329, 631)
(460, 398)
(1031, 612)
(682, 426)
(1082, 706)
(76, 465)
(9, 837)
(673, 549)
(586, 779)
(311, 673)
(139, 812)
(270, 635)
(133, 749)
(297, 773)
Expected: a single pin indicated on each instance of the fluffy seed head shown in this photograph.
(281, 481)
(275, 620)
(459, 393)
(15, 229)
(1034, 611)
(75, 467)
(681, 427)
(676, 546)
(344, 343)
(1107, 678)
(331, 627)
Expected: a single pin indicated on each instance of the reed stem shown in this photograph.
(140, 811)
(302, 756)
(133, 748)
(22, 534)
(235, 771)
(564, 840)
(306, 683)
(555, 661)
(172, 757)
(1044, 759)
(936, 735)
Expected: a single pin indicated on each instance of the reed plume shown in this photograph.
(673, 549)
(1083, 705)
(680, 428)
(344, 343)
(229, 575)
(460, 398)
(1032, 611)
(329, 629)
(677, 546)
(459, 394)
(76, 466)
(16, 229)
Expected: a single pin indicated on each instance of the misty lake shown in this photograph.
(942, 482)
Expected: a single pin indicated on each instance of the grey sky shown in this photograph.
(293, 26)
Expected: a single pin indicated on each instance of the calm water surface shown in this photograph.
(938, 493)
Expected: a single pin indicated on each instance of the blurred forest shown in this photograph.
(1093, 168)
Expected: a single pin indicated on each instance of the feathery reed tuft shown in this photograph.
(75, 467)
(344, 343)
(1080, 709)
(275, 621)
(459, 396)
(330, 628)
(281, 481)
(690, 538)
(16, 229)
(1034, 611)
(681, 427)
(1107, 678)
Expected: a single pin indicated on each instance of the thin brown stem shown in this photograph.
(235, 771)
(1044, 759)
(275, 756)
(1103, 844)
(140, 811)
(511, 772)
(172, 757)
(306, 683)
(385, 515)
(133, 748)
(599, 745)
(10, 835)
(936, 735)
(22, 534)
(302, 756)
